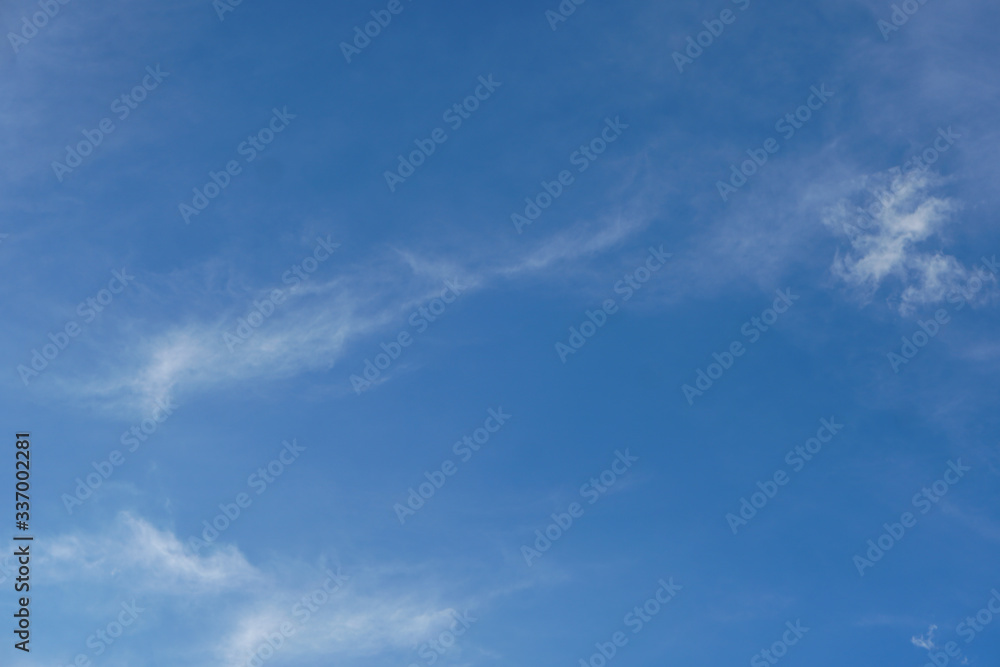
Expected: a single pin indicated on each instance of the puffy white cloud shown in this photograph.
(892, 240)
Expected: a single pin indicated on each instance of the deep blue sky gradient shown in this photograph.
(161, 339)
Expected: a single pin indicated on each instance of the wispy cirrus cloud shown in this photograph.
(132, 548)
(362, 611)
(315, 326)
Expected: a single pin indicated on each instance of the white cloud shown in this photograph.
(312, 329)
(364, 611)
(580, 240)
(307, 331)
(365, 616)
(135, 552)
(349, 625)
(890, 239)
(927, 642)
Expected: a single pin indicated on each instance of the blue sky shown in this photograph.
(750, 327)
